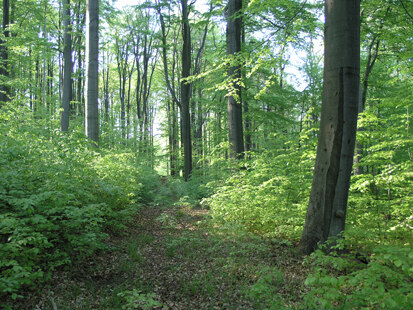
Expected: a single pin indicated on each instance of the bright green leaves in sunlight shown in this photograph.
(58, 198)
(345, 282)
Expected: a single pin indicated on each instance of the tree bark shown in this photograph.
(4, 70)
(92, 52)
(68, 67)
(186, 91)
(234, 27)
(122, 55)
(327, 207)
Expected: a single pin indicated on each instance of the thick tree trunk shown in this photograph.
(234, 27)
(186, 91)
(92, 51)
(67, 71)
(327, 207)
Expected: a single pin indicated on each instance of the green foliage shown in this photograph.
(135, 299)
(381, 197)
(59, 198)
(268, 197)
(384, 283)
(264, 292)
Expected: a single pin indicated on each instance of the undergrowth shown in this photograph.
(384, 280)
(60, 197)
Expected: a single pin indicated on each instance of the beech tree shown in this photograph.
(185, 86)
(234, 27)
(92, 52)
(186, 91)
(68, 67)
(4, 54)
(327, 208)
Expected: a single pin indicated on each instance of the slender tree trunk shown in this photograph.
(44, 58)
(92, 53)
(128, 101)
(234, 27)
(105, 79)
(174, 141)
(31, 80)
(37, 86)
(186, 91)
(371, 60)
(80, 79)
(327, 207)
(68, 67)
(122, 62)
(80, 20)
(4, 70)
(247, 118)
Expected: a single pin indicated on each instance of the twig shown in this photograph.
(405, 9)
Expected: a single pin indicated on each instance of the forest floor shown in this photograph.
(175, 258)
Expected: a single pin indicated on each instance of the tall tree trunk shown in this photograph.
(4, 70)
(247, 118)
(105, 79)
(67, 71)
(92, 53)
(122, 54)
(186, 91)
(327, 207)
(80, 79)
(37, 85)
(80, 21)
(174, 141)
(234, 27)
(31, 80)
(44, 58)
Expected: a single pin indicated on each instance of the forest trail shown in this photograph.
(173, 258)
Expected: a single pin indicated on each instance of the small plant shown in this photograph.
(167, 221)
(135, 253)
(135, 299)
(264, 292)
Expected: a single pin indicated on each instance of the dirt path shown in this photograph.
(172, 258)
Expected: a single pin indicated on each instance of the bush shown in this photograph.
(341, 282)
(59, 197)
(269, 197)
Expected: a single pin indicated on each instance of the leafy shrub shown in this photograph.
(59, 197)
(263, 293)
(381, 198)
(269, 196)
(340, 282)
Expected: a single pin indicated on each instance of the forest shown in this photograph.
(206, 154)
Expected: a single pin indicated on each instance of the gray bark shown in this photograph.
(327, 207)
(68, 67)
(186, 91)
(92, 50)
(234, 27)
(4, 70)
